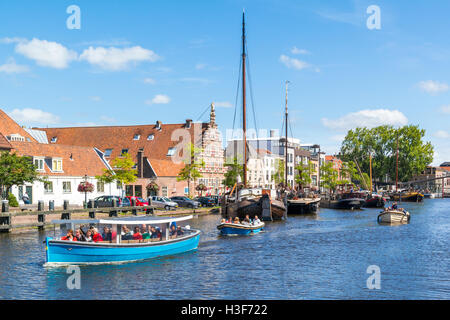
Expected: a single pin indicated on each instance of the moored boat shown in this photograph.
(407, 196)
(303, 205)
(118, 250)
(375, 201)
(393, 216)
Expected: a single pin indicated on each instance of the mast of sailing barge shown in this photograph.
(286, 141)
(244, 120)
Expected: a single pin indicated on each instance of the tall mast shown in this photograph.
(286, 141)
(244, 120)
(396, 168)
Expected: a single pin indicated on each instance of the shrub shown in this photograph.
(12, 200)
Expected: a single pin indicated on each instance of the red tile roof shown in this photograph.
(4, 143)
(119, 138)
(8, 126)
(76, 161)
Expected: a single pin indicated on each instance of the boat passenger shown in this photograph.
(107, 235)
(223, 221)
(394, 206)
(79, 235)
(173, 231)
(256, 220)
(126, 233)
(69, 236)
(137, 234)
(236, 220)
(97, 237)
(88, 236)
(180, 232)
(246, 220)
(146, 233)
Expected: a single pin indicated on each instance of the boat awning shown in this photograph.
(127, 220)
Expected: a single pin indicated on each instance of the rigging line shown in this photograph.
(237, 92)
(206, 109)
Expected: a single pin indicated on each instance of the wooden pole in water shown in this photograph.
(370, 160)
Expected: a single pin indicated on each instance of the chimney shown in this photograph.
(140, 162)
(188, 123)
(158, 125)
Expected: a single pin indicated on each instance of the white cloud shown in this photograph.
(296, 50)
(200, 66)
(96, 98)
(293, 62)
(46, 53)
(11, 67)
(223, 104)
(29, 115)
(159, 99)
(115, 59)
(445, 109)
(433, 87)
(442, 134)
(149, 81)
(367, 118)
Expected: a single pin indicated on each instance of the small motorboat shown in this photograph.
(393, 216)
(227, 228)
(375, 201)
(118, 250)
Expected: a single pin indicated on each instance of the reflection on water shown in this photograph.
(323, 256)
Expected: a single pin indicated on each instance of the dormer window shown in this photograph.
(108, 152)
(171, 151)
(54, 139)
(39, 164)
(57, 165)
(136, 137)
(150, 137)
(15, 137)
(124, 151)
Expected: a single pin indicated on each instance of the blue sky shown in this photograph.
(135, 62)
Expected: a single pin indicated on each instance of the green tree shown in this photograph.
(16, 170)
(329, 176)
(278, 175)
(303, 178)
(235, 170)
(414, 153)
(123, 172)
(191, 166)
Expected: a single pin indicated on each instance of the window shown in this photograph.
(108, 152)
(57, 165)
(67, 187)
(150, 137)
(48, 187)
(171, 151)
(164, 191)
(136, 137)
(100, 186)
(124, 151)
(54, 139)
(39, 164)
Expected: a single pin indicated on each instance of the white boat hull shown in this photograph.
(393, 217)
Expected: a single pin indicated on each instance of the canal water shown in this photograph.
(323, 256)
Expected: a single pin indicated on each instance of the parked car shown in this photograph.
(163, 202)
(185, 202)
(217, 199)
(107, 202)
(140, 202)
(206, 201)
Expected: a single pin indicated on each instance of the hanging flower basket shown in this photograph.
(201, 187)
(152, 187)
(85, 186)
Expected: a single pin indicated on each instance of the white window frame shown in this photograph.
(57, 161)
(70, 187)
(40, 161)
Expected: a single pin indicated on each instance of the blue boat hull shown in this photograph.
(230, 230)
(64, 252)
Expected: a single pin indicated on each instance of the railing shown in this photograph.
(6, 215)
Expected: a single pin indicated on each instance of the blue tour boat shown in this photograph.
(117, 250)
(240, 229)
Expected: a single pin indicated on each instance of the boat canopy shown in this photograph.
(125, 221)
